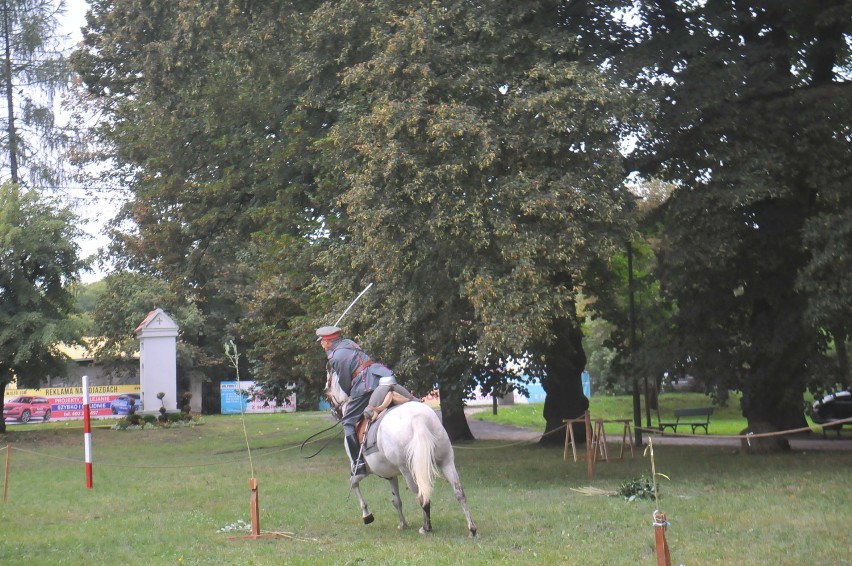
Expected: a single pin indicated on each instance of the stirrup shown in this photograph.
(359, 468)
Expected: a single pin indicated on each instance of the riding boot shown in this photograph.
(353, 448)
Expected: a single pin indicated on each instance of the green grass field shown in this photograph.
(180, 496)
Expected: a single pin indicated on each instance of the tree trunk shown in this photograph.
(781, 340)
(452, 413)
(3, 385)
(565, 360)
(10, 101)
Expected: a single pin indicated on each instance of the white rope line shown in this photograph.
(234, 357)
(744, 436)
(155, 467)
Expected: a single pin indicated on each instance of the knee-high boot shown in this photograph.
(353, 449)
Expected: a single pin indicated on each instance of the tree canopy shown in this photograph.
(470, 177)
(471, 161)
(39, 264)
(753, 129)
(35, 69)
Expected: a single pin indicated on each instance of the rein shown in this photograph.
(311, 437)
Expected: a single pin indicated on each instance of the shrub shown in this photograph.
(638, 488)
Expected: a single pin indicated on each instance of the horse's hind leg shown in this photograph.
(449, 472)
(397, 501)
(355, 484)
(427, 516)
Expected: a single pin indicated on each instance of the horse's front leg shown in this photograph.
(355, 485)
(397, 501)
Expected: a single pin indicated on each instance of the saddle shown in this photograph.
(392, 398)
(373, 414)
(368, 430)
(364, 431)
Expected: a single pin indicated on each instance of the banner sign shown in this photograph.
(66, 403)
(246, 397)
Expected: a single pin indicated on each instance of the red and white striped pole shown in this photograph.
(87, 431)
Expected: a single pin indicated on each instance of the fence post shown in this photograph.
(87, 432)
(6, 477)
(660, 524)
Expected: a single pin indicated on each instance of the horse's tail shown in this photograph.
(421, 457)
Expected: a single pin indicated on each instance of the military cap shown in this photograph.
(328, 333)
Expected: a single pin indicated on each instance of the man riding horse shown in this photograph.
(366, 382)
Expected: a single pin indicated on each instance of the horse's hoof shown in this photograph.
(425, 531)
(369, 519)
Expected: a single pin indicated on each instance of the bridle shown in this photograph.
(336, 411)
(334, 401)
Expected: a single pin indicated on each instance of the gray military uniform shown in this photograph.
(358, 377)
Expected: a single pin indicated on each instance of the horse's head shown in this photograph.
(336, 397)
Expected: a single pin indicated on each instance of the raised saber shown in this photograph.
(361, 294)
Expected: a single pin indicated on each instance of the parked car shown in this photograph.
(25, 407)
(832, 407)
(121, 404)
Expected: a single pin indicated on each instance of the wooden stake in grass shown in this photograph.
(234, 357)
(660, 522)
(6, 477)
(255, 508)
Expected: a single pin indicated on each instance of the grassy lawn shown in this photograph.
(177, 496)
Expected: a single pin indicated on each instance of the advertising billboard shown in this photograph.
(66, 403)
(246, 397)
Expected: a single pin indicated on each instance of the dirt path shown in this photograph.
(485, 430)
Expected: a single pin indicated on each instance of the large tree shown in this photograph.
(476, 176)
(35, 69)
(753, 128)
(202, 132)
(39, 264)
(461, 158)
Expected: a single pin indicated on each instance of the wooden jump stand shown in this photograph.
(589, 456)
(626, 435)
(596, 441)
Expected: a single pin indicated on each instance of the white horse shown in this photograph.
(412, 442)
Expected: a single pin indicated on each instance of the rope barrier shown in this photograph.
(234, 357)
(163, 466)
(302, 444)
(745, 436)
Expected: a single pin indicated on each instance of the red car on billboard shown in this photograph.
(26, 407)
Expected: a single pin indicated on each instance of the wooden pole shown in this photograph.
(87, 432)
(255, 508)
(660, 524)
(590, 449)
(255, 517)
(6, 477)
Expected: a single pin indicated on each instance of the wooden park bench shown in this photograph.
(693, 416)
(834, 424)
